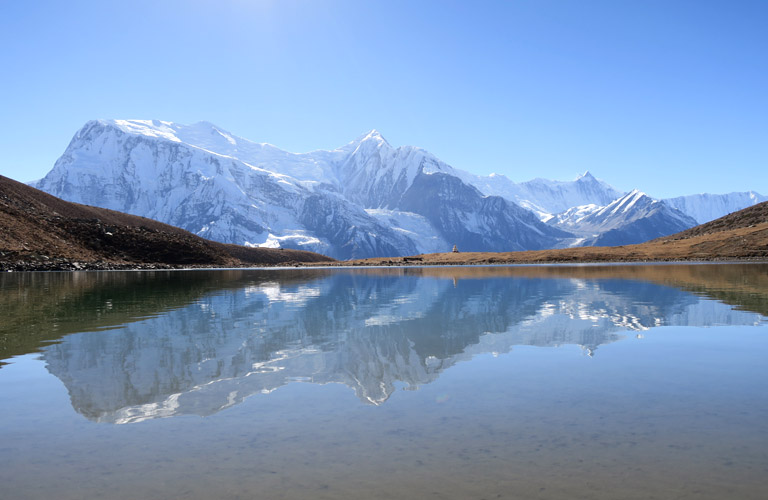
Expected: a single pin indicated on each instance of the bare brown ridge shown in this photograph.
(41, 232)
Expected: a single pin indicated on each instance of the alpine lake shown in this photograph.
(517, 382)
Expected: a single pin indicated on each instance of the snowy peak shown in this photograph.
(626, 203)
(148, 128)
(374, 135)
(548, 197)
(573, 216)
(371, 139)
(375, 175)
(204, 135)
(307, 169)
(631, 206)
(632, 218)
(201, 135)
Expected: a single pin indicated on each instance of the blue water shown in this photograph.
(507, 382)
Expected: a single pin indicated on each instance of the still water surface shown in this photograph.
(482, 382)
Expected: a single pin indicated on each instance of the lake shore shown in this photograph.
(44, 263)
(743, 244)
(473, 259)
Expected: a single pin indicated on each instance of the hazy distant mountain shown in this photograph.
(707, 207)
(547, 197)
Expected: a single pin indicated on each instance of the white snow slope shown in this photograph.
(707, 207)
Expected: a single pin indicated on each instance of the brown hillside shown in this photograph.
(749, 217)
(40, 231)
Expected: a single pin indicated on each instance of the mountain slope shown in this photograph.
(41, 231)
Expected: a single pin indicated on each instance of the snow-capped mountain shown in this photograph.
(226, 188)
(146, 168)
(574, 215)
(547, 197)
(633, 218)
(708, 207)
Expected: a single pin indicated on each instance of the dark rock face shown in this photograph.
(474, 222)
(641, 230)
(351, 233)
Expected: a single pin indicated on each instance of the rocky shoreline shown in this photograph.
(13, 263)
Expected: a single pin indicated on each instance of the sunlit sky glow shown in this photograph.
(666, 96)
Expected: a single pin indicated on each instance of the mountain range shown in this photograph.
(363, 199)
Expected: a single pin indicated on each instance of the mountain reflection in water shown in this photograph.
(135, 346)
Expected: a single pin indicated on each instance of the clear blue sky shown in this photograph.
(667, 96)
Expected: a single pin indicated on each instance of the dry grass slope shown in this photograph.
(40, 231)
